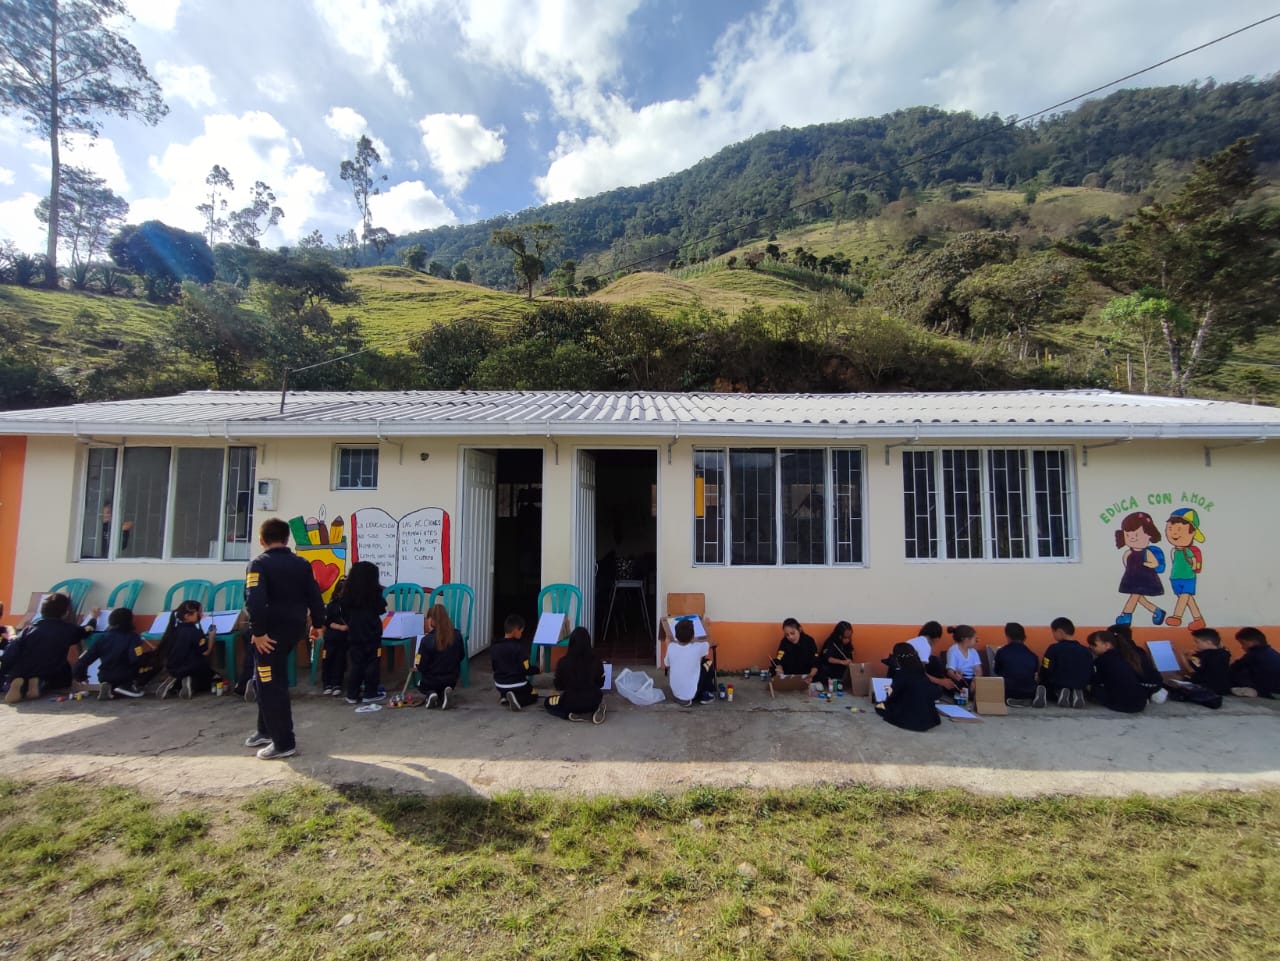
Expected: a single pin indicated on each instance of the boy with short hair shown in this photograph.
(1017, 664)
(1257, 672)
(39, 657)
(689, 670)
(1209, 665)
(511, 668)
(1065, 669)
(120, 650)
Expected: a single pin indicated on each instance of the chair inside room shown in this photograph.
(556, 599)
(460, 601)
(76, 588)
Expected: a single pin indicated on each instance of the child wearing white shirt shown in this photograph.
(689, 670)
(963, 661)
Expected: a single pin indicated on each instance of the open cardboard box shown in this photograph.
(988, 696)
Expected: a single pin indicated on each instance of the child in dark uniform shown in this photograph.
(120, 651)
(186, 649)
(39, 657)
(1256, 673)
(836, 657)
(363, 606)
(1065, 669)
(579, 681)
(1117, 678)
(333, 651)
(1209, 665)
(511, 668)
(1017, 664)
(911, 703)
(439, 662)
(797, 653)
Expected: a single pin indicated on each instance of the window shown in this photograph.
(182, 503)
(793, 507)
(356, 469)
(1001, 504)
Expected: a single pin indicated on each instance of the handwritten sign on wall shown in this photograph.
(413, 549)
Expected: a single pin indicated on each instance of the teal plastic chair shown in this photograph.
(556, 599)
(124, 594)
(229, 596)
(192, 589)
(76, 588)
(460, 601)
(403, 596)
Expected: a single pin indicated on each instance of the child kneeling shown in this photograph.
(689, 670)
(439, 662)
(120, 650)
(511, 669)
(579, 681)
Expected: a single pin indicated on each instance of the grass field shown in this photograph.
(807, 874)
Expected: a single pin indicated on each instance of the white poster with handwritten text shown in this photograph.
(413, 549)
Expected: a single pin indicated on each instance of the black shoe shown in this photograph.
(256, 739)
(432, 699)
(598, 716)
(166, 687)
(577, 717)
(1077, 698)
(1064, 697)
(104, 691)
(1041, 698)
(514, 701)
(188, 689)
(445, 698)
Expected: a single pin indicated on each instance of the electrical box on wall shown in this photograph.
(264, 497)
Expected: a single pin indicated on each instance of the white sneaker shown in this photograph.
(1159, 697)
(1041, 696)
(444, 699)
(104, 691)
(256, 739)
(188, 689)
(432, 699)
(598, 716)
(166, 687)
(269, 753)
(514, 701)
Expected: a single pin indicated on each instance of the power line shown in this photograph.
(857, 184)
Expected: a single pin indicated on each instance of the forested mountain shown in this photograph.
(1122, 142)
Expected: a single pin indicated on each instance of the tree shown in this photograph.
(61, 68)
(380, 238)
(413, 257)
(358, 172)
(91, 212)
(312, 241)
(529, 264)
(245, 226)
(214, 222)
(565, 278)
(212, 326)
(1017, 297)
(164, 256)
(1142, 315)
(450, 353)
(1208, 252)
(462, 272)
(437, 269)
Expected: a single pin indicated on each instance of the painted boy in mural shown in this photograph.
(1143, 563)
(1182, 532)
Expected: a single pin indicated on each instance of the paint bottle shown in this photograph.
(723, 695)
(729, 693)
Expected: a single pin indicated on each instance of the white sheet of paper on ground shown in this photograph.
(403, 624)
(951, 711)
(879, 689)
(552, 628)
(1162, 653)
(368, 708)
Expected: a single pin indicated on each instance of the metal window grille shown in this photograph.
(198, 494)
(357, 468)
(708, 511)
(144, 502)
(237, 536)
(919, 503)
(753, 507)
(846, 496)
(99, 492)
(1051, 475)
(1008, 503)
(804, 505)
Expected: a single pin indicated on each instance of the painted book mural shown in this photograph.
(413, 548)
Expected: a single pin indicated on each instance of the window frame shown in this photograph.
(942, 526)
(114, 495)
(335, 478)
(719, 459)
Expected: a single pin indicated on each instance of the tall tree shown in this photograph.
(62, 68)
(91, 213)
(218, 181)
(358, 172)
(245, 223)
(529, 244)
(164, 256)
(1208, 252)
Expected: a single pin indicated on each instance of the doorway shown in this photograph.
(517, 536)
(618, 528)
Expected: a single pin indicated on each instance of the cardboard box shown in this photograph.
(792, 682)
(860, 680)
(988, 695)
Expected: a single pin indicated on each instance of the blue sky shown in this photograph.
(495, 105)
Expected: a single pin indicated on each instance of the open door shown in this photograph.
(477, 505)
(584, 547)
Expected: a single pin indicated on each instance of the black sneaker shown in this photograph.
(328, 692)
(256, 739)
(432, 700)
(444, 698)
(706, 697)
(380, 696)
(598, 716)
(188, 689)
(1077, 698)
(352, 700)
(130, 691)
(166, 687)
(1064, 697)
(1018, 701)
(514, 701)
(1041, 698)
(271, 753)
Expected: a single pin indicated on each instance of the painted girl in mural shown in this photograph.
(1143, 562)
(1182, 532)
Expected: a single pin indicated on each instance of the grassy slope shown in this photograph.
(826, 873)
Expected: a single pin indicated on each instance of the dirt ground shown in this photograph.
(175, 748)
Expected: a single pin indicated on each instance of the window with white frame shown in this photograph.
(180, 503)
(355, 469)
(778, 506)
(988, 503)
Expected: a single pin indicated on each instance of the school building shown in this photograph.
(885, 510)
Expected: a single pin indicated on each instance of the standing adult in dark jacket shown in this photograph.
(1017, 664)
(39, 657)
(1117, 680)
(280, 592)
(362, 608)
(439, 663)
(911, 703)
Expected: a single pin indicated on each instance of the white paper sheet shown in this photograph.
(552, 626)
(879, 689)
(1162, 653)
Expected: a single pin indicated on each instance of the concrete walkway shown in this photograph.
(175, 748)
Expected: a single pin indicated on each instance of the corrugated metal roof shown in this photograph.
(1068, 413)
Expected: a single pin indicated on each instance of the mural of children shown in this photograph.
(1182, 532)
(1143, 562)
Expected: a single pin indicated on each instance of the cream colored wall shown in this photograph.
(1237, 585)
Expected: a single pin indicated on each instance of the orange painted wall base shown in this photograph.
(13, 458)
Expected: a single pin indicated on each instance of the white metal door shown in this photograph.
(477, 506)
(584, 561)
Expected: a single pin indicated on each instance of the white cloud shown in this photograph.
(409, 206)
(363, 29)
(194, 84)
(252, 146)
(18, 223)
(99, 155)
(458, 145)
(350, 126)
(156, 14)
(6, 176)
(276, 86)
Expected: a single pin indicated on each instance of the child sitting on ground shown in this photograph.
(1066, 668)
(797, 654)
(511, 668)
(120, 651)
(1017, 664)
(38, 659)
(1148, 676)
(689, 670)
(964, 663)
(911, 701)
(579, 679)
(1257, 672)
(186, 649)
(439, 662)
(835, 660)
(1116, 675)
(1209, 665)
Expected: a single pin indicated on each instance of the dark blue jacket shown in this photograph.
(1068, 664)
(438, 669)
(1017, 664)
(911, 703)
(279, 592)
(186, 650)
(1259, 669)
(510, 658)
(41, 649)
(119, 653)
(1117, 685)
